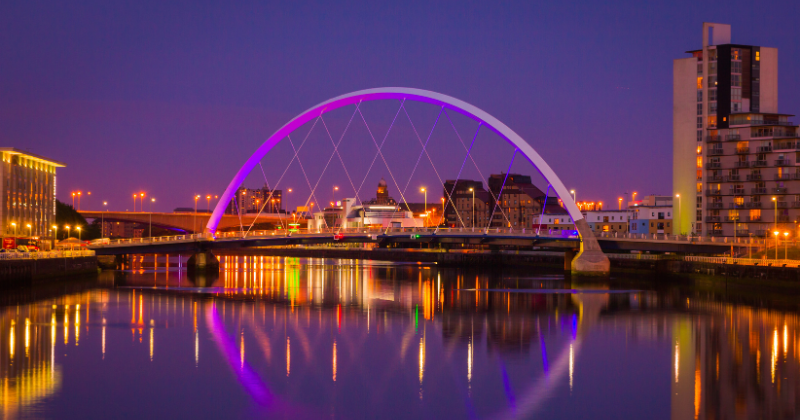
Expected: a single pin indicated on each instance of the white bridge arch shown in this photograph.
(588, 242)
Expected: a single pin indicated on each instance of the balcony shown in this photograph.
(758, 190)
(753, 205)
(764, 149)
(715, 232)
(741, 164)
(713, 219)
(733, 178)
(784, 218)
(783, 177)
(783, 204)
(715, 152)
(730, 219)
(742, 150)
(754, 177)
(760, 233)
(737, 191)
(780, 190)
(713, 165)
(754, 219)
(715, 179)
(712, 138)
(759, 163)
(783, 162)
(733, 137)
(733, 206)
(711, 193)
(787, 145)
(742, 232)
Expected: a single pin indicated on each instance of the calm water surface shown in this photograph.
(312, 338)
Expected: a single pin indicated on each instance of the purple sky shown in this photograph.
(171, 99)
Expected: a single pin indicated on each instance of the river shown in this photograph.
(346, 339)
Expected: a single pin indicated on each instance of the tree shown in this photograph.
(67, 216)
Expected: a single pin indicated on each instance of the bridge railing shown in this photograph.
(41, 255)
(156, 239)
(745, 261)
(676, 238)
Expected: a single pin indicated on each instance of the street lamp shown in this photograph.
(102, 225)
(73, 200)
(776, 243)
(55, 235)
(150, 228)
(333, 193)
(30, 230)
(208, 203)
(620, 203)
(785, 245)
(634, 196)
(472, 190)
(79, 200)
(79, 232)
(134, 202)
(680, 214)
(67, 228)
(573, 195)
(775, 200)
(15, 228)
(424, 191)
(194, 222)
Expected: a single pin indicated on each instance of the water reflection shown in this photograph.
(318, 338)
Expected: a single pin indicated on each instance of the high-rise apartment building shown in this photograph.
(28, 193)
(734, 156)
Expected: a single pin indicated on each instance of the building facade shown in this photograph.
(734, 155)
(251, 200)
(28, 192)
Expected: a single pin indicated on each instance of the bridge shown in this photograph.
(186, 222)
(590, 258)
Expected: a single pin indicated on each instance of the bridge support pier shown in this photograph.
(590, 260)
(203, 261)
(569, 255)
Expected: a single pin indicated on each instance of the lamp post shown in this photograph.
(620, 203)
(79, 232)
(785, 245)
(680, 213)
(134, 202)
(424, 191)
(15, 228)
(55, 235)
(30, 230)
(472, 190)
(194, 222)
(333, 193)
(67, 228)
(141, 201)
(150, 228)
(73, 199)
(777, 238)
(633, 196)
(79, 200)
(573, 195)
(102, 224)
(775, 200)
(208, 203)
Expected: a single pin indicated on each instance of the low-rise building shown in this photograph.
(608, 220)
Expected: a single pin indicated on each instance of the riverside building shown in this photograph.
(28, 191)
(735, 156)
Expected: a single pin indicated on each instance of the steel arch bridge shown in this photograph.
(590, 259)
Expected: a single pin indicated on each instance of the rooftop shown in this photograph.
(31, 156)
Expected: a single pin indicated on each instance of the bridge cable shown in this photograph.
(281, 177)
(502, 187)
(417, 165)
(336, 150)
(299, 162)
(374, 158)
(427, 154)
(455, 184)
(329, 161)
(483, 178)
(544, 205)
(381, 154)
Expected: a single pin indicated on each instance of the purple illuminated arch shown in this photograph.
(398, 93)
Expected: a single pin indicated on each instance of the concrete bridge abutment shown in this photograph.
(590, 261)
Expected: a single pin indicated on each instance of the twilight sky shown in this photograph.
(172, 97)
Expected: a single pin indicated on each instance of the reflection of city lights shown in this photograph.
(334, 360)
(469, 362)
(151, 344)
(571, 365)
(421, 358)
(785, 340)
(77, 323)
(774, 360)
(677, 361)
(104, 339)
(697, 389)
(288, 356)
(66, 324)
(241, 349)
(27, 336)
(196, 348)
(11, 340)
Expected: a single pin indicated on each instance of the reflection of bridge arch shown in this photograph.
(590, 259)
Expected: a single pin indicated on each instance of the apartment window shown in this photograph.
(699, 96)
(736, 80)
(712, 81)
(699, 187)
(755, 214)
(712, 108)
(758, 55)
(699, 109)
(712, 94)
(699, 82)
(736, 94)
(736, 67)
(700, 135)
(738, 200)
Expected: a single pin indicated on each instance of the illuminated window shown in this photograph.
(755, 214)
(605, 228)
(758, 55)
(738, 200)
(699, 161)
(699, 187)
(699, 150)
(699, 82)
